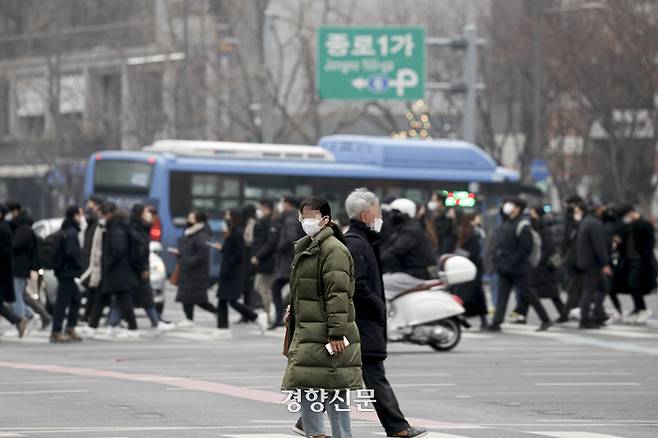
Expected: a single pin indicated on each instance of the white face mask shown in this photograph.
(259, 213)
(578, 216)
(311, 226)
(627, 220)
(279, 207)
(432, 205)
(376, 226)
(508, 208)
(9, 217)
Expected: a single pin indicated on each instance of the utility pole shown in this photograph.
(470, 80)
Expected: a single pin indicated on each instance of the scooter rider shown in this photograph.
(409, 249)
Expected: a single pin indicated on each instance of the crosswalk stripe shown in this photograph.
(260, 435)
(575, 435)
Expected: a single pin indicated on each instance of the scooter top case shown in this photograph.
(455, 269)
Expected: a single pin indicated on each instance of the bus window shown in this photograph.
(209, 192)
(119, 176)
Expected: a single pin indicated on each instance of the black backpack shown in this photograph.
(48, 249)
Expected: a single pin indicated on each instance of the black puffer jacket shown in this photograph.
(24, 245)
(409, 249)
(592, 251)
(513, 248)
(233, 275)
(194, 265)
(544, 278)
(69, 253)
(140, 237)
(265, 240)
(369, 301)
(118, 276)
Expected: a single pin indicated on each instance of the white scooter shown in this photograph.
(422, 312)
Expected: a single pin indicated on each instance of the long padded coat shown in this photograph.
(322, 290)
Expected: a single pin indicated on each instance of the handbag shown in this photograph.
(175, 276)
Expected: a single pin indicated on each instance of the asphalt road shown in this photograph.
(565, 384)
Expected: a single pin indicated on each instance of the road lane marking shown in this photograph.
(204, 386)
(577, 373)
(575, 435)
(588, 384)
(45, 382)
(50, 391)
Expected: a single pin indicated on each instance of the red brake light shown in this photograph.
(458, 300)
(156, 229)
(151, 160)
(99, 157)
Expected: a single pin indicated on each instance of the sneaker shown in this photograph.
(73, 335)
(13, 332)
(615, 317)
(85, 331)
(544, 326)
(165, 326)
(221, 334)
(520, 319)
(261, 320)
(574, 315)
(643, 316)
(298, 428)
(114, 332)
(128, 334)
(59, 338)
(411, 432)
(186, 323)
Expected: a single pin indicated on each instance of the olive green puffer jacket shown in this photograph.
(322, 287)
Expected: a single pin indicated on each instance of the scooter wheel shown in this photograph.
(455, 329)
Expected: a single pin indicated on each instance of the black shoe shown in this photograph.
(544, 326)
(494, 329)
(45, 323)
(298, 428)
(243, 320)
(588, 326)
(562, 320)
(411, 432)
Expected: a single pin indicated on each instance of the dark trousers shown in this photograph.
(92, 294)
(594, 291)
(222, 312)
(36, 306)
(522, 305)
(574, 294)
(189, 309)
(7, 313)
(277, 298)
(123, 300)
(387, 407)
(505, 284)
(68, 297)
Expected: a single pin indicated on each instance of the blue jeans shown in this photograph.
(19, 306)
(115, 316)
(313, 420)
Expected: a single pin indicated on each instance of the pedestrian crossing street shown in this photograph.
(206, 333)
(553, 434)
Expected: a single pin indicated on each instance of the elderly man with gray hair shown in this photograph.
(362, 238)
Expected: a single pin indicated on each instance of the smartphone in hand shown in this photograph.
(331, 351)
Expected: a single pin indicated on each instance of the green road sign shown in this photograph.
(371, 62)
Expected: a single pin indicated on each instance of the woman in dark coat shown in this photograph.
(6, 275)
(193, 258)
(545, 277)
(233, 275)
(118, 279)
(469, 244)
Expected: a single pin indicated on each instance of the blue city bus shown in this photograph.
(176, 176)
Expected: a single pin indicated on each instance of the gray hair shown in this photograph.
(359, 201)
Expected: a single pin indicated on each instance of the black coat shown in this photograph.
(513, 248)
(6, 268)
(266, 237)
(232, 275)
(408, 250)
(544, 278)
(24, 245)
(118, 275)
(290, 231)
(140, 238)
(369, 300)
(445, 233)
(592, 250)
(69, 253)
(472, 293)
(194, 266)
(642, 267)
